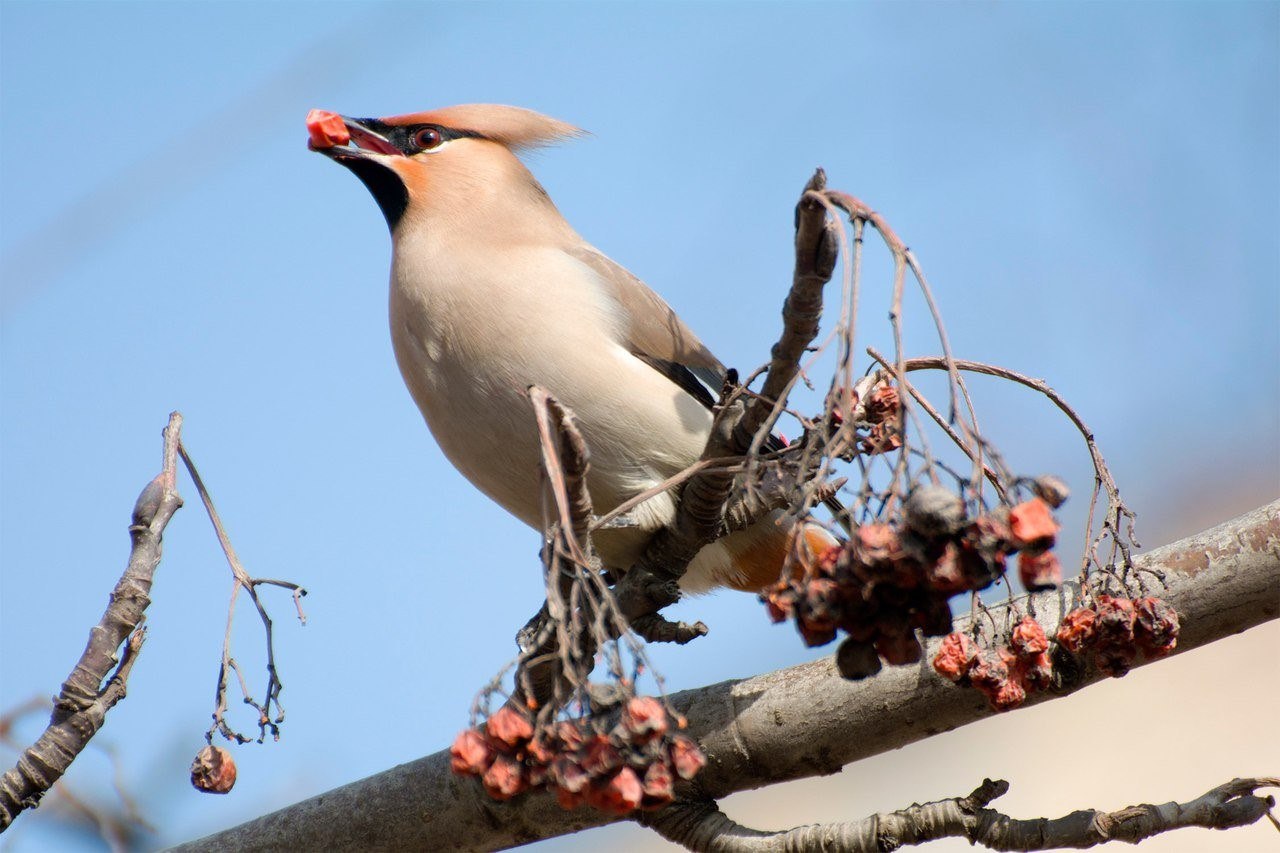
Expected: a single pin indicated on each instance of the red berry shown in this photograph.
(956, 654)
(470, 754)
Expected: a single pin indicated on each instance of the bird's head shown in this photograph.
(436, 161)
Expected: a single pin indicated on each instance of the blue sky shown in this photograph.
(1093, 190)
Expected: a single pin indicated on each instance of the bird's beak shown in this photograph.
(362, 146)
(341, 138)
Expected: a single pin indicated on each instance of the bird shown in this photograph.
(493, 291)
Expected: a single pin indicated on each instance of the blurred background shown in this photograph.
(1093, 190)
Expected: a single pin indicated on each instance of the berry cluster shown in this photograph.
(884, 583)
(1004, 675)
(1114, 630)
(630, 764)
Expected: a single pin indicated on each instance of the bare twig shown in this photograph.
(267, 720)
(81, 707)
(701, 826)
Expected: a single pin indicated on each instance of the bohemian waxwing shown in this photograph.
(492, 291)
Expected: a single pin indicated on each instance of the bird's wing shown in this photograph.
(654, 334)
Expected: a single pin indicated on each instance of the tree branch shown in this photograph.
(797, 722)
(702, 827)
(81, 707)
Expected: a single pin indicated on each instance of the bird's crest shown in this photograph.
(513, 127)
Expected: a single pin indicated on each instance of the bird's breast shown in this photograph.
(472, 333)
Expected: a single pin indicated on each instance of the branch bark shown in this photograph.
(796, 722)
(82, 705)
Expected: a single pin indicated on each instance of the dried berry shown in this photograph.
(882, 438)
(1028, 639)
(857, 660)
(1039, 570)
(780, 601)
(1010, 694)
(932, 615)
(568, 775)
(1156, 626)
(1115, 660)
(213, 771)
(946, 573)
(601, 756)
(882, 404)
(876, 543)
(509, 727)
(470, 753)
(620, 793)
(569, 735)
(956, 654)
(1076, 631)
(686, 758)
(645, 718)
(1037, 671)
(899, 649)
(988, 671)
(659, 786)
(1031, 523)
(504, 779)
(1116, 620)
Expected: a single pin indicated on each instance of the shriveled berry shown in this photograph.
(470, 754)
(955, 655)
(619, 794)
(509, 727)
(568, 775)
(504, 778)
(1010, 694)
(1116, 620)
(882, 438)
(876, 543)
(1039, 570)
(932, 615)
(857, 660)
(1037, 671)
(899, 649)
(659, 785)
(988, 671)
(645, 718)
(1156, 626)
(601, 756)
(1031, 523)
(1115, 660)
(882, 404)
(213, 770)
(945, 573)
(1028, 638)
(1077, 630)
(780, 601)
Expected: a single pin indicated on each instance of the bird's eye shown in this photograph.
(428, 138)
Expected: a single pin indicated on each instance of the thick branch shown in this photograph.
(81, 707)
(801, 721)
